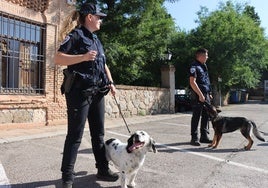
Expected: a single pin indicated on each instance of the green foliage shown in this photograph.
(250, 11)
(237, 46)
(135, 34)
(182, 56)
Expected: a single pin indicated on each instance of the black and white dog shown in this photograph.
(129, 157)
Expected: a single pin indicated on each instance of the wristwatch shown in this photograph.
(111, 83)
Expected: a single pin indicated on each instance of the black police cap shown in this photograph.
(89, 8)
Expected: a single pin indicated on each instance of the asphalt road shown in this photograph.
(32, 163)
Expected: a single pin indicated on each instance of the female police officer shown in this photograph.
(83, 54)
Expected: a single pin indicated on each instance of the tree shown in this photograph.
(250, 11)
(135, 34)
(182, 55)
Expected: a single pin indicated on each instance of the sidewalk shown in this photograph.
(19, 134)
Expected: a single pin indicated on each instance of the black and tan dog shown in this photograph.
(223, 124)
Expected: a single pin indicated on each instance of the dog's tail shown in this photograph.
(256, 132)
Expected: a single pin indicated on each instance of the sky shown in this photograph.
(184, 11)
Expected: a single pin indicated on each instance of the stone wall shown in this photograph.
(22, 116)
(132, 100)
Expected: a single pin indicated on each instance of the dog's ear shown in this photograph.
(152, 143)
(130, 143)
(211, 110)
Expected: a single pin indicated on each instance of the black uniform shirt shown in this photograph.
(200, 72)
(80, 41)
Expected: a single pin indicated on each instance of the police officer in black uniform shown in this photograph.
(86, 80)
(200, 92)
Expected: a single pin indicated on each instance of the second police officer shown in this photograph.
(201, 92)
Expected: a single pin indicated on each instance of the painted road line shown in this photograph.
(264, 171)
(216, 159)
(118, 134)
(4, 182)
(176, 124)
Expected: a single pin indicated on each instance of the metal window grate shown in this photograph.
(22, 58)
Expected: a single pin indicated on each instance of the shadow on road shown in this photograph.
(87, 181)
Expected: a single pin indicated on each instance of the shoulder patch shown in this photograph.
(67, 38)
(192, 70)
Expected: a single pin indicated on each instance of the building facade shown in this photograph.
(30, 81)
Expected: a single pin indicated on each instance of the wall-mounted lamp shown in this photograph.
(168, 55)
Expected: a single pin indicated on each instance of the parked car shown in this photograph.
(182, 103)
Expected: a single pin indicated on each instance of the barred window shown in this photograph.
(22, 60)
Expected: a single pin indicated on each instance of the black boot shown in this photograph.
(67, 184)
(107, 175)
(204, 138)
(194, 140)
(195, 143)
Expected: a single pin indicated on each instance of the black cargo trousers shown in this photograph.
(79, 109)
(199, 111)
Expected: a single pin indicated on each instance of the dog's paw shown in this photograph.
(247, 148)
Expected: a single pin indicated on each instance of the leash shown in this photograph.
(121, 114)
(104, 91)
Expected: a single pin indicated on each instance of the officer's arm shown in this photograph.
(67, 59)
(196, 89)
(109, 75)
